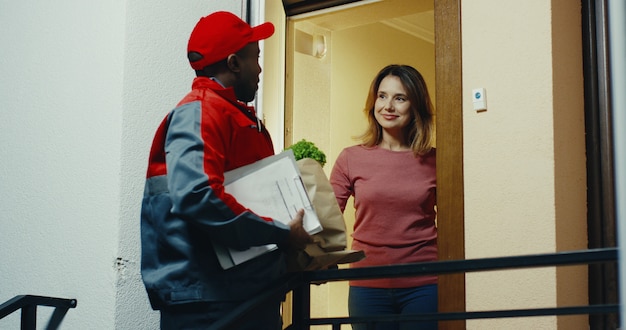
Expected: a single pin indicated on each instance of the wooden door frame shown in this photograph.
(449, 116)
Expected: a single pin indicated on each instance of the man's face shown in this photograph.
(248, 77)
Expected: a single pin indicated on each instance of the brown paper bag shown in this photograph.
(329, 246)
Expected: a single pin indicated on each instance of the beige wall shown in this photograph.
(311, 92)
(524, 162)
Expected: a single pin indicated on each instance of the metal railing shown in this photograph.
(29, 303)
(299, 284)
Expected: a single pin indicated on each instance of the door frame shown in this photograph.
(449, 125)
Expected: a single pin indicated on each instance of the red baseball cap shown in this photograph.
(222, 33)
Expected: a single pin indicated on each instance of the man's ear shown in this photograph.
(232, 61)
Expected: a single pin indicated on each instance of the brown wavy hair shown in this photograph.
(420, 132)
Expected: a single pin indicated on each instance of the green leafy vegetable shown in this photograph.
(306, 149)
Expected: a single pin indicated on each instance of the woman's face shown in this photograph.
(392, 106)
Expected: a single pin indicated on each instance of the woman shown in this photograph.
(392, 178)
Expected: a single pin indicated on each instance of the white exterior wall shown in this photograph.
(84, 85)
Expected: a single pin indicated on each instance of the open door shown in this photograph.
(324, 107)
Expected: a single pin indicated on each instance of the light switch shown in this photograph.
(479, 99)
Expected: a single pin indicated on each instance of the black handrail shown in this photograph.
(28, 304)
(451, 316)
(299, 283)
(467, 265)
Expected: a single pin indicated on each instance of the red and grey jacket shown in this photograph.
(185, 207)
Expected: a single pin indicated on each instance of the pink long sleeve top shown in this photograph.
(394, 198)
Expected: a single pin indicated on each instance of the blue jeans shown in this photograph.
(364, 301)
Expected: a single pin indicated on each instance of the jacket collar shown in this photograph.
(227, 93)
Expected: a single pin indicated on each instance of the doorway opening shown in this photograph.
(332, 50)
(331, 57)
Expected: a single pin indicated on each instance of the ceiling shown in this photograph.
(410, 16)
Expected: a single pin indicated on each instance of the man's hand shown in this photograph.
(298, 237)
